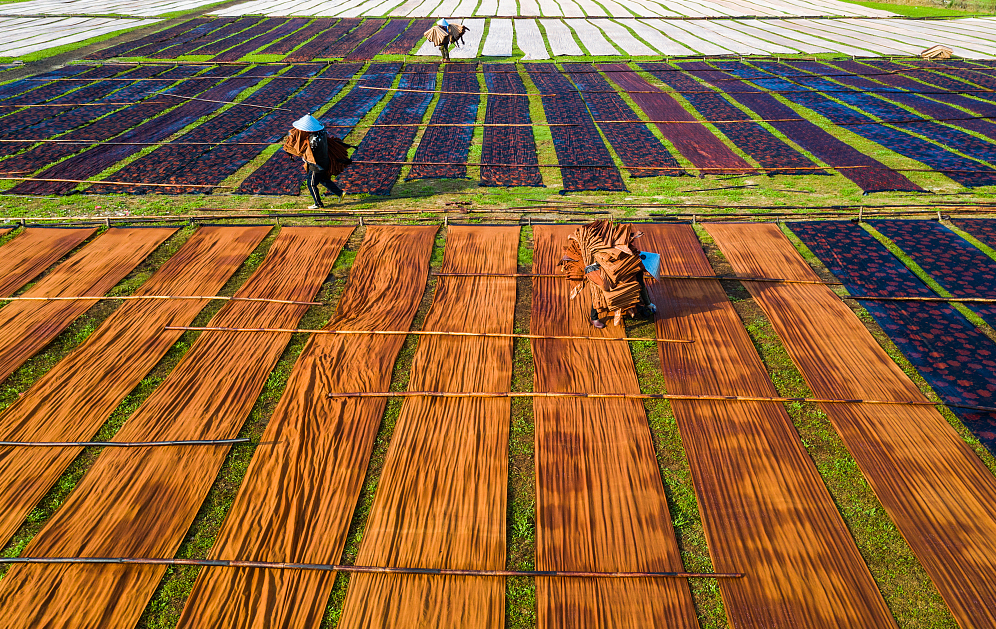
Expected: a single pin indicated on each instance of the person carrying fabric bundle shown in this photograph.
(323, 156)
(602, 256)
(442, 34)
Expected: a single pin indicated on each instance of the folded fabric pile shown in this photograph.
(602, 255)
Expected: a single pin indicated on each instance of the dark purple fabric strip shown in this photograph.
(127, 48)
(449, 145)
(507, 145)
(585, 162)
(373, 45)
(867, 173)
(777, 157)
(314, 48)
(635, 144)
(292, 41)
(98, 158)
(390, 144)
(412, 37)
(237, 52)
(283, 174)
(694, 141)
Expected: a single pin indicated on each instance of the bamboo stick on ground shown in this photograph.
(120, 444)
(636, 396)
(497, 335)
(238, 563)
(130, 297)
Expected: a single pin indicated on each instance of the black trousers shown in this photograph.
(317, 177)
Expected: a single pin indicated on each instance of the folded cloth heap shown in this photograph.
(602, 257)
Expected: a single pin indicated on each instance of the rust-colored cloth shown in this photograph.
(297, 144)
(603, 255)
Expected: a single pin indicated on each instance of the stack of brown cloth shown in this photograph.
(602, 256)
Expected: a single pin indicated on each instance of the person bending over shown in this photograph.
(323, 156)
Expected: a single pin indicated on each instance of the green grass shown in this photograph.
(520, 592)
(911, 10)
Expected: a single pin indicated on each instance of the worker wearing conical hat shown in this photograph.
(442, 34)
(323, 156)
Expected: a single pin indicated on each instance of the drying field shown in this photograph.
(481, 480)
(201, 128)
(217, 410)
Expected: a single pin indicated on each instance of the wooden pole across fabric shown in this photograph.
(932, 485)
(322, 567)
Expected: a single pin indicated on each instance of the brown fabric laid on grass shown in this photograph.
(765, 508)
(25, 256)
(28, 326)
(72, 400)
(933, 486)
(298, 496)
(139, 502)
(441, 498)
(600, 502)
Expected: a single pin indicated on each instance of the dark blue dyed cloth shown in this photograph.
(389, 144)
(963, 170)
(585, 162)
(953, 262)
(443, 151)
(953, 356)
(982, 228)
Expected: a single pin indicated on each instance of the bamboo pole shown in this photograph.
(719, 170)
(82, 104)
(120, 444)
(634, 396)
(164, 297)
(663, 91)
(493, 335)
(118, 183)
(662, 277)
(954, 300)
(271, 565)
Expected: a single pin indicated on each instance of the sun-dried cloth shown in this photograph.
(602, 255)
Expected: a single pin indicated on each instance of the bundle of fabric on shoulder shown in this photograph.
(602, 257)
(443, 33)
